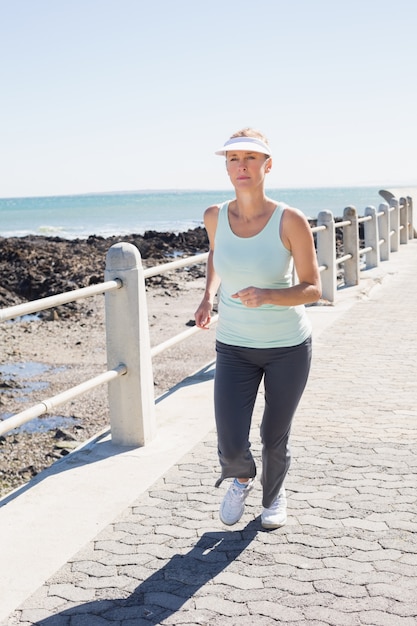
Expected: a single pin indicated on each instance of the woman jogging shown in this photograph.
(263, 331)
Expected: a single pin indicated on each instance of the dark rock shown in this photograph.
(35, 267)
(65, 435)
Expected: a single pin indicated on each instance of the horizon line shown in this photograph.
(203, 190)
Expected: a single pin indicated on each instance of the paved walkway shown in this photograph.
(348, 554)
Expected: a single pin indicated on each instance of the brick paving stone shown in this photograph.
(318, 521)
(402, 590)
(92, 568)
(242, 620)
(347, 565)
(357, 543)
(220, 605)
(102, 582)
(375, 556)
(379, 618)
(238, 581)
(409, 559)
(341, 589)
(366, 524)
(290, 585)
(404, 609)
(332, 616)
(93, 620)
(71, 592)
(325, 573)
(375, 577)
(246, 595)
(283, 614)
(312, 599)
(114, 547)
(363, 604)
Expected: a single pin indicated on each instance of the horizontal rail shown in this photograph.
(166, 267)
(178, 338)
(42, 304)
(174, 265)
(342, 259)
(50, 403)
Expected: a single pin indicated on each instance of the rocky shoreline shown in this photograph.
(66, 345)
(35, 267)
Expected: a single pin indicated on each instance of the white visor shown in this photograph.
(247, 144)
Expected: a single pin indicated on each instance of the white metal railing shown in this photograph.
(384, 231)
(27, 308)
(124, 261)
(129, 356)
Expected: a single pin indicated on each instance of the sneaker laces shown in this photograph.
(238, 493)
(236, 496)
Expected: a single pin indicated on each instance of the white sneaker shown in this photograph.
(233, 504)
(276, 515)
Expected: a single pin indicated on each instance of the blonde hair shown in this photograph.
(250, 132)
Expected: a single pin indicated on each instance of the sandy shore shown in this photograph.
(57, 354)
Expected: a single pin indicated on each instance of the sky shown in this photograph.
(122, 95)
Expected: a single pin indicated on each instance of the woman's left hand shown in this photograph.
(251, 296)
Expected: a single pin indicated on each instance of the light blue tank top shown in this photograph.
(259, 261)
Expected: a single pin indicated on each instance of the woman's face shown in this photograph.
(247, 169)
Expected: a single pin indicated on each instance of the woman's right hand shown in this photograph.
(202, 315)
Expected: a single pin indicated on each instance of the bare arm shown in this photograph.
(297, 237)
(203, 313)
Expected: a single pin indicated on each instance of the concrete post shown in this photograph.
(395, 225)
(413, 230)
(351, 246)
(404, 220)
(326, 254)
(131, 397)
(384, 232)
(371, 238)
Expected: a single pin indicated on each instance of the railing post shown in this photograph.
(384, 231)
(413, 231)
(395, 223)
(403, 220)
(131, 397)
(326, 254)
(351, 246)
(371, 238)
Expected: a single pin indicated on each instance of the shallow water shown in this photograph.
(21, 374)
(24, 370)
(42, 424)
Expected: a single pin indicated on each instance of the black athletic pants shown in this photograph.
(239, 372)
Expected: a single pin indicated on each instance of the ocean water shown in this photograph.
(119, 213)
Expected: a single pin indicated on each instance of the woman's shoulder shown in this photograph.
(294, 223)
(292, 215)
(212, 212)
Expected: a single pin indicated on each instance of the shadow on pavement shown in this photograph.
(167, 589)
